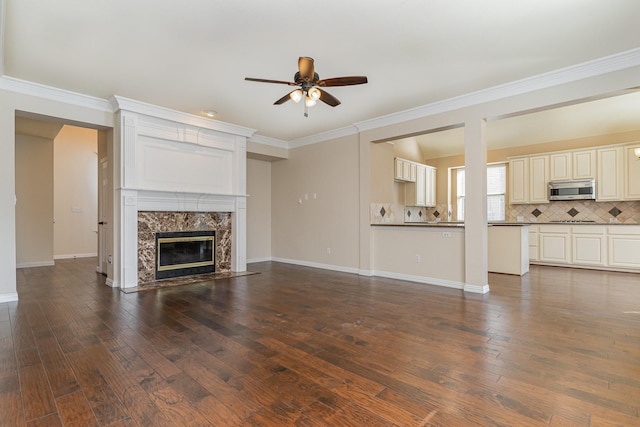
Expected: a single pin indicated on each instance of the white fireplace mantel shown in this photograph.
(172, 161)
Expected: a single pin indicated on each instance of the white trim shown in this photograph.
(35, 264)
(324, 136)
(121, 103)
(600, 66)
(110, 282)
(317, 265)
(420, 279)
(10, 297)
(38, 90)
(253, 260)
(476, 289)
(265, 140)
(71, 256)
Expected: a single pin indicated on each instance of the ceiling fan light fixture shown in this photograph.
(309, 102)
(296, 95)
(314, 93)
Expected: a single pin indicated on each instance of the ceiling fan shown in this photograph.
(309, 84)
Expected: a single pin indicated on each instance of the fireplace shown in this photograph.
(185, 253)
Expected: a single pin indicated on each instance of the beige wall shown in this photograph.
(75, 192)
(34, 207)
(306, 229)
(258, 210)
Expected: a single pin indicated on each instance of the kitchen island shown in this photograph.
(434, 253)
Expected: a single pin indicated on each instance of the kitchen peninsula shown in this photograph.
(434, 253)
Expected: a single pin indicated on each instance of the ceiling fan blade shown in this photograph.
(251, 79)
(343, 81)
(328, 99)
(305, 67)
(284, 98)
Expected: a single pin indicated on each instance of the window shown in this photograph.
(496, 189)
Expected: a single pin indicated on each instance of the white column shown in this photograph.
(239, 217)
(128, 238)
(475, 215)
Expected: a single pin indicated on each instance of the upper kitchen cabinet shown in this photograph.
(405, 170)
(610, 179)
(631, 172)
(423, 191)
(528, 177)
(572, 165)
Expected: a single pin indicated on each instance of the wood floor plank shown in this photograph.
(295, 345)
(75, 411)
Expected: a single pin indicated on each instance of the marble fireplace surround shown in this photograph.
(150, 223)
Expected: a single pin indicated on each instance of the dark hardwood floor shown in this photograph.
(300, 346)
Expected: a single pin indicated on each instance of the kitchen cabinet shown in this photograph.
(534, 254)
(589, 245)
(538, 178)
(608, 247)
(631, 173)
(422, 192)
(508, 249)
(624, 246)
(528, 177)
(405, 170)
(572, 165)
(610, 178)
(554, 243)
(519, 180)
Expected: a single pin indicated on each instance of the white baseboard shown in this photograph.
(10, 297)
(476, 289)
(71, 256)
(318, 265)
(109, 282)
(35, 264)
(420, 279)
(265, 259)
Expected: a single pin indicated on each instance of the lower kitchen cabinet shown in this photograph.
(624, 247)
(614, 247)
(554, 244)
(589, 245)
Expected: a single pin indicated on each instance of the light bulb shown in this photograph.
(296, 95)
(314, 93)
(636, 151)
(309, 102)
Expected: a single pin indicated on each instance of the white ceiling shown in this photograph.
(193, 56)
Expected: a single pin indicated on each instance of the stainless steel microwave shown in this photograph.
(574, 189)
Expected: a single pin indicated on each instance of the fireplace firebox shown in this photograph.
(185, 253)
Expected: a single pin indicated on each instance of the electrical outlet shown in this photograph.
(417, 257)
(329, 251)
(446, 234)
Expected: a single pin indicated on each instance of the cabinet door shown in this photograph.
(538, 179)
(420, 185)
(624, 251)
(430, 186)
(609, 180)
(398, 169)
(560, 166)
(554, 247)
(406, 171)
(631, 173)
(533, 243)
(584, 164)
(589, 249)
(519, 180)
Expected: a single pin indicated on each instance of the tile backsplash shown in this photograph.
(582, 210)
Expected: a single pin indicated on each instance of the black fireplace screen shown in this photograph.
(185, 253)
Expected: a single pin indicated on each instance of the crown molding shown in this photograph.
(272, 142)
(596, 67)
(324, 136)
(38, 90)
(139, 107)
